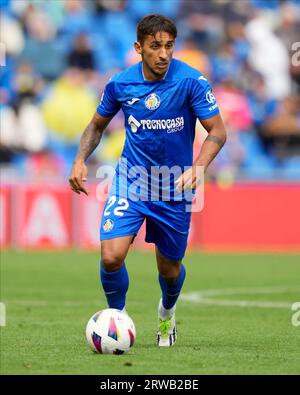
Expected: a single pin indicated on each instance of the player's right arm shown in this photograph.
(107, 108)
(90, 139)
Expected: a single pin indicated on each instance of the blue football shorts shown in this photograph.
(167, 223)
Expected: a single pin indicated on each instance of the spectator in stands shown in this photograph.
(234, 105)
(81, 55)
(262, 106)
(225, 64)
(102, 6)
(235, 33)
(190, 53)
(66, 109)
(200, 20)
(40, 47)
(281, 131)
(288, 30)
(269, 57)
(22, 125)
(12, 41)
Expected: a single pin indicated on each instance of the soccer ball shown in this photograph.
(110, 331)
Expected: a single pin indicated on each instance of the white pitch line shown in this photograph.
(236, 303)
(253, 291)
(202, 297)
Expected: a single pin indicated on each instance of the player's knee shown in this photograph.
(112, 261)
(170, 272)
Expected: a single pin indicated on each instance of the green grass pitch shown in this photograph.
(239, 320)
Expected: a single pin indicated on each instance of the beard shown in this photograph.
(155, 73)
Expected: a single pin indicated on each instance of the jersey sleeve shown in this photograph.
(109, 105)
(202, 99)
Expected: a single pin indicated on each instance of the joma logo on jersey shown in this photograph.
(152, 101)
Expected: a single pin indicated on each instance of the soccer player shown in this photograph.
(161, 99)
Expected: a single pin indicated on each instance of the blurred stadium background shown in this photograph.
(56, 57)
(235, 310)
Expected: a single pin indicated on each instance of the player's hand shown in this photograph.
(188, 180)
(78, 177)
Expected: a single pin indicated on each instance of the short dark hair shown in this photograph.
(154, 23)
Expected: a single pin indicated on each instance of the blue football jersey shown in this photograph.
(160, 116)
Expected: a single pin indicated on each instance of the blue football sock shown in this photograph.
(115, 286)
(171, 292)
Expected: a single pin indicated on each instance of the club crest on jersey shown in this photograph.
(108, 225)
(152, 102)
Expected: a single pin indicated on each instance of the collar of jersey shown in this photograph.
(153, 82)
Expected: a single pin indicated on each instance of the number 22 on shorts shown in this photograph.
(119, 210)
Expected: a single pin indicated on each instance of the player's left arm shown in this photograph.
(214, 141)
(212, 145)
